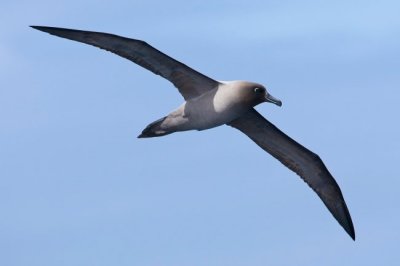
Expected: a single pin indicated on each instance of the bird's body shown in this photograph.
(216, 107)
(210, 103)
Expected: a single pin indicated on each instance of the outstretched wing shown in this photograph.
(302, 161)
(189, 82)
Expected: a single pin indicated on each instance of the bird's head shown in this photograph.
(255, 94)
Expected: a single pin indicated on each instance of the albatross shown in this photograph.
(210, 103)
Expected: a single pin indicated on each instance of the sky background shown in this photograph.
(78, 188)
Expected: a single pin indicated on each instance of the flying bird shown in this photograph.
(210, 103)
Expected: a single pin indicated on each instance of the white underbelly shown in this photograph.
(210, 110)
(204, 114)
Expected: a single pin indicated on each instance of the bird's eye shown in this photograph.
(259, 90)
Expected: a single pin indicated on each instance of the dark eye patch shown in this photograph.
(259, 90)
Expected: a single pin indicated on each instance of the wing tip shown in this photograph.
(342, 215)
(349, 228)
(41, 28)
(50, 30)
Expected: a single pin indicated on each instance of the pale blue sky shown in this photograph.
(78, 188)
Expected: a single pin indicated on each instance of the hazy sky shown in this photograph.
(78, 188)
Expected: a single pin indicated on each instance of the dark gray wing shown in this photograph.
(189, 82)
(302, 161)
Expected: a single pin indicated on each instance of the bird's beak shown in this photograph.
(271, 99)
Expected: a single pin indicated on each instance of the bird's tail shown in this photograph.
(154, 130)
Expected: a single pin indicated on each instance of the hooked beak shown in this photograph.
(271, 99)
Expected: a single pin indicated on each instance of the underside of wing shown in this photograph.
(302, 161)
(189, 82)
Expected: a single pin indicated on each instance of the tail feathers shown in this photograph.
(154, 130)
